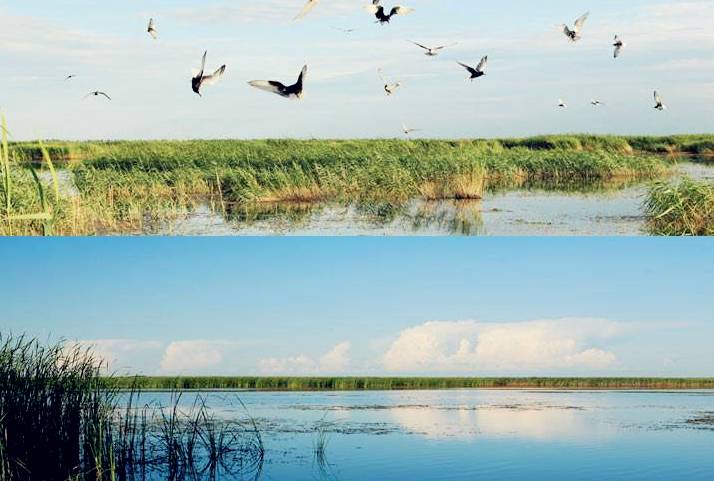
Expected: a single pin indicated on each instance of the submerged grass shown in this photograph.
(59, 421)
(682, 208)
(403, 383)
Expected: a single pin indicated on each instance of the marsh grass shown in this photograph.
(60, 421)
(683, 208)
(401, 383)
(126, 186)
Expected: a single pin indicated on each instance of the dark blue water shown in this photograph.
(485, 435)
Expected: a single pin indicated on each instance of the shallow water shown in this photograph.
(604, 211)
(480, 434)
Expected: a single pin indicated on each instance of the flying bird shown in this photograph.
(306, 9)
(288, 91)
(378, 11)
(70, 76)
(344, 30)
(562, 104)
(390, 88)
(619, 45)
(596, 103)
(97, 93)
(659, 105)
(407, 131)
(200, 79)
(431, 51)
(151, 29)
(574, 34)
(477, 72)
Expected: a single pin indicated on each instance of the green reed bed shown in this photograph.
(401, 383)
(59, 421)
(681, 208)
(124, 185)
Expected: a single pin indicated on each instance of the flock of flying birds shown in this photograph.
(201, 78)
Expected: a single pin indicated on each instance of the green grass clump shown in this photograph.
(682, 208)
(61, 421)
(402, 383)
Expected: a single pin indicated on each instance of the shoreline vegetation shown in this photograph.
(401, 383)
(124, 186)
(60, 422)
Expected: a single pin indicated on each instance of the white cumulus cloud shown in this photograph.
(516, 347)
(194, 355)
(335, 361)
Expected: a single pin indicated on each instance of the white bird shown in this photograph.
(97, 93)
(596, 103)
(477, 72)
(151, 29)
(619, 45)
(70, 76)
(378, 11)
(390, 88)
(306, 9)
(574, 33)
(407, 131)
(659, 105)
(200, 79)
(562, 104)
(295, 90)
(431, 51)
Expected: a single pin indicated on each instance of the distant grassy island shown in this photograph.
(121, 185)
(401, 383)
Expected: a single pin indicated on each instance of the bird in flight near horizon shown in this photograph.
(151, 29)
(659, 105)
(562, 104)
(431, 51)
(407, 131)
(344, 30)
(306, 9)
(619, 45)
(574, 34)
(97, 93)
(70, 76)
(295, 90)
(378, 11)
(199, 79)
(596, 103)
(390, 88)
(477, 72)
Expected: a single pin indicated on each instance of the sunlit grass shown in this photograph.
(681, 208)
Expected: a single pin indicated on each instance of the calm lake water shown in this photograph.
(536, 211)
(481, 434)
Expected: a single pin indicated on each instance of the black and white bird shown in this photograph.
(200, 79)
(562, 104)
(295, 90)
(619, 45)
(659, 105)
(596, 103)
(306, 9)
(431, 51)
(574, 33)
(378, 11)
(70, 76)
(97, 93)
(151, 29)
(477, 72)
(389, 87)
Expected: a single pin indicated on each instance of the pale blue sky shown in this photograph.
(370, 306)
(531, 66)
